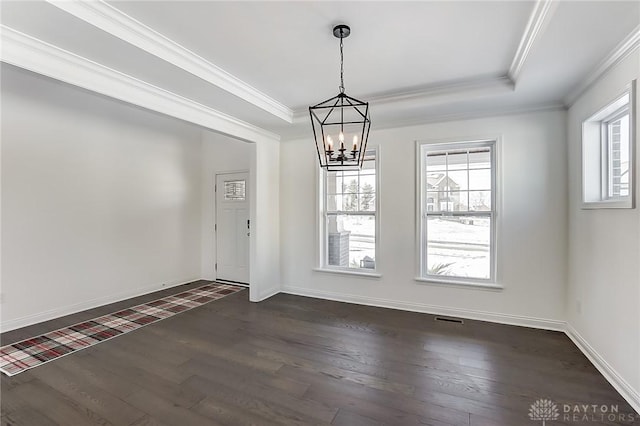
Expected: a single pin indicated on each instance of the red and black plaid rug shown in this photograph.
(29, 353)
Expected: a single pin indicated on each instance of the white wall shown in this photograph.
(266, 250)
(100, 200)
(532, 223)
(220, 154)
(603, 299)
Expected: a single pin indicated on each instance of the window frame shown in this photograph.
(422, 213)
(606, 146)
(595, 153)
(322, 221)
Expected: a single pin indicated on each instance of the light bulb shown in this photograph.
(355, 143)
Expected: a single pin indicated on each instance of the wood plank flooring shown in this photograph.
(301, 361)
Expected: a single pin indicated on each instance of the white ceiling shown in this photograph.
(415, 61)
(288, 50)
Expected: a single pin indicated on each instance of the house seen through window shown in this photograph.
(457, 220)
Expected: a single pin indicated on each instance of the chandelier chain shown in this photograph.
(341, 66)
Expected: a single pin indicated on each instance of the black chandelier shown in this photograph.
(338, 118)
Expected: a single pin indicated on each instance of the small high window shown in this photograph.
(607, 155)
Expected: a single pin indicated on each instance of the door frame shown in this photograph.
(215, 219)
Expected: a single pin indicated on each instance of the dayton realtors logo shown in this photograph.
(546, 410)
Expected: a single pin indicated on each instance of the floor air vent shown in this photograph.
(450, 319)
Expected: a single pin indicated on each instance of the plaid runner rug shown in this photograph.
(30, 353)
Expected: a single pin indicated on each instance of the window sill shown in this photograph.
(607, 204)
(345, 272)
(455, 283)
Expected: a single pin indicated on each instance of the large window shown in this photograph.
(607, 155)
(457, 211)
(349, 228)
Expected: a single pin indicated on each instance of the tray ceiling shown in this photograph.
(264, 62)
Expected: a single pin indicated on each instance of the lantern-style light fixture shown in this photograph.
(341, 124)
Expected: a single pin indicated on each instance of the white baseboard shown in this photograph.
(264, 295)
(524, 321)
(87, 304)
(618, 382)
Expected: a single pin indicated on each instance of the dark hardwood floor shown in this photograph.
(297, 360)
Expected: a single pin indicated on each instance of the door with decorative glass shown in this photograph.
(233, 227)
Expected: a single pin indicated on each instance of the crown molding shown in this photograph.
(449, 91)
(117, 23)
(445, 89)
(472, 114)
(35, 55)
(621, 51)
(535, 26)
(298, 131)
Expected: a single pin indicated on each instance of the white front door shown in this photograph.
(232, 227)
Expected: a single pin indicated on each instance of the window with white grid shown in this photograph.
(349, 225)
(457, 211)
